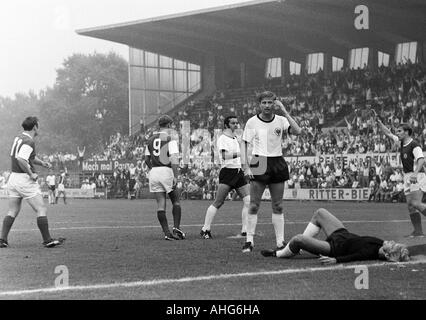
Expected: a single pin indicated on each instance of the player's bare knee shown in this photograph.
(277, 208)
(217, 204)
(246, 201)
(13, 213)
(41, 211)
(413, 205)
(298, 239)
(411, 209)
(320, 212)
(254, 208)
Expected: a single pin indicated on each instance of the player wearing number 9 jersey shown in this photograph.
(22, 184)
(162, 157)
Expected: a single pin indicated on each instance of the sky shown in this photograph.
(38, 35)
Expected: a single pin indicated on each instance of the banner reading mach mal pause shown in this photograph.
(108, 166)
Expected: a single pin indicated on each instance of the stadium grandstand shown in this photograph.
(190, 56)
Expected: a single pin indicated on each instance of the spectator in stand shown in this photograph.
(81, 156)
(397, 192)
(374, 188)
(384, 191)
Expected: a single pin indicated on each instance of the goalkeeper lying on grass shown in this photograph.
(340, 245)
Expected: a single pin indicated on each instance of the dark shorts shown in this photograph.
(269, 169)
(52, 188)
(132, 183)
(337, 241)
(232, 177)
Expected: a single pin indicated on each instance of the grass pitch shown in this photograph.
(115, 250)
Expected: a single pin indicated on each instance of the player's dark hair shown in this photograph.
(406, 127)
(29, 123)
(227, 120)
(164, 120)
(266, 94)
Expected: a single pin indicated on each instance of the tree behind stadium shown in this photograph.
(87, 104)
(89, 101)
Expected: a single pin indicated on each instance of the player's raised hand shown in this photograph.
(380, 123)
(280, 104)
(47, 165)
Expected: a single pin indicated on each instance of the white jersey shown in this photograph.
(50, 179)
(266, 137)
(230, 145)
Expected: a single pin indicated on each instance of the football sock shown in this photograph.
(278, 222)
(161, 214)
(177, 213)
(211, 212)
(43, 225)
(251, 227)
(286, 252)
(416, 220)
(311, 230)
(7, 225)
(244, 213)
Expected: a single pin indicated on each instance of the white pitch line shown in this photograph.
(199, 278)
(200, 225)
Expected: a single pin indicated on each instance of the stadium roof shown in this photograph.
(265, 28)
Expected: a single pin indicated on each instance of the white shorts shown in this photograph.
(61, 188)
(161, 179)
(20, 185)
(420, 185)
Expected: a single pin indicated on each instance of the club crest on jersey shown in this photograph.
(278, 131)
(405, 156)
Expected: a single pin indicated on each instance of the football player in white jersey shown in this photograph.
(51, 185)
(61, 187)
(267, 166)
(413, 161)
(231, 176)
(23, 184)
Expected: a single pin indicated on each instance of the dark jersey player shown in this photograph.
(413, 161)
(162, 158)
(340, 245)
(22, 184)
